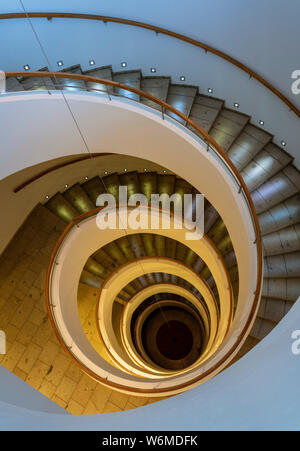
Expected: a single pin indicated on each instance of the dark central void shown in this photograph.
(174, 340)
(171, 337)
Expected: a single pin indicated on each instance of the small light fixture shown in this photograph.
(92, 63)
(261, 122)
(210, 90)
(66, 185)
(60, 63)
(236, 105)
(153, 70)
(145, 169)
(283, 143)
(26, 67)
(105, 172)
(47, 196)
(182, 78)
(125, 170)
(123, 64)
(164, 171)
(86, 177)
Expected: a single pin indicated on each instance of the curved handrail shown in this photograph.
(211, 143)
(56, 167)
(112, 384)
(166, 107)
(160, 30)
(67, 349)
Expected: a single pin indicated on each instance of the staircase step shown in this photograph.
(137, 245)
(39, 84)
(281, 288)
(278, 188)
(157, 87)
(204, 111)
(94, 188)
(281, 215)
(130, 78)
(69, 84)
(62, 208)
(149, 246)
(227, 127)
(210, 216)
(96, 268)
(217, 231)
(261, 328)
(247, 145)
(284, 241)
(148, 184)
(111, 184)
(13, 85)
(78, 198)
(104, 259)
(166, 184)
(113, 250)
(160, 245)
(225, 245)
(264, 165)
(104, 72)
(182, 98)
(125, 246)
(286, 265)
(131, 180)
(90, 279)
(273, 309)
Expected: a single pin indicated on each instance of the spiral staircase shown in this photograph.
(273, 182)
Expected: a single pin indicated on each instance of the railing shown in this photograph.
(159, 30)
(50, 305)
(211, 145)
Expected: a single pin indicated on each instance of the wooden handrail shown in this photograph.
(57, 245)
(220, 152)
(160, 30)
(56, 167)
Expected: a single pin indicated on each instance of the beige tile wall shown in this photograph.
(33, 352)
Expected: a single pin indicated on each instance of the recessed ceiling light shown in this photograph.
(210, 90)
(47, 196)
(66, 185)
(261, 122)
(283, 143)
(60, 63)
(182, 78)
(153, 69)
(124, 64)
(105, 172)
(236, 105)
(92, 62)
(26, 67)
